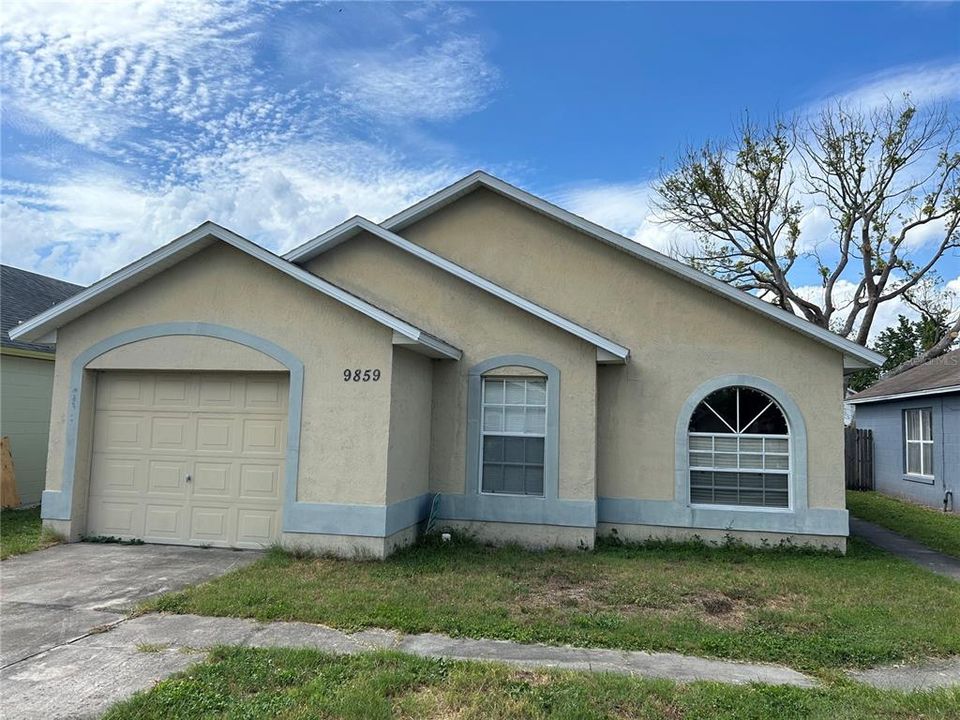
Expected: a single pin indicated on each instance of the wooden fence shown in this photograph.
(858, 458)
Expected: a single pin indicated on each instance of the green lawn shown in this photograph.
(936, 529)
(812, 611)
(21, 532)
(301, 684)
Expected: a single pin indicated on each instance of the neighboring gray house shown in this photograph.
(26, 375)
(915, 418)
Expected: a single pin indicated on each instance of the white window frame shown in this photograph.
(907, 441)
(788, 472)
(503, 433)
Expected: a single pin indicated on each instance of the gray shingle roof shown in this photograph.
(24, 294)
(941, 372)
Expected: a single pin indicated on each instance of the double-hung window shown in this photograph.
(918, 441)
(514, 428)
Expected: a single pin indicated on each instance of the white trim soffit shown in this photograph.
(191, 243)
(906, 395)
(608, 352)
(854, 356)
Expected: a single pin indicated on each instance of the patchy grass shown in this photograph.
(933, 528)
(290, 684)
(809, 610)
(21, 532)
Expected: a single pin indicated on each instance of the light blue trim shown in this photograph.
(58, 505)
(795, 423)
(357, 520)
(666, 513)
(797, 519)
(546, 510)
(524, 509)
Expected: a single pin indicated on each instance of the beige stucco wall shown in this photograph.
(345, 426)
(679, 334)
(483, 327)
(25, 392)
(408, 459)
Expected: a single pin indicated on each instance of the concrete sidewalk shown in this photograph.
(906, 548)
(83, 678)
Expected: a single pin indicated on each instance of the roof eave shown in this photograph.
(905, 395)
(191, 243)
(855, 356)
(608, 350)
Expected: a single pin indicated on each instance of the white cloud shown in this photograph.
(627, 208)
(444, 81)
(927, 83)
(181, 118)
(91, 72)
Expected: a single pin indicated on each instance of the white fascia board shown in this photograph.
(193, 241)
(855, 356)
(905, 395)
(614, 352)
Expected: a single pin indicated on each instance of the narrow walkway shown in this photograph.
(82, 678)
(906, 548)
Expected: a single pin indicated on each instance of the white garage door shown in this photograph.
(189, 458)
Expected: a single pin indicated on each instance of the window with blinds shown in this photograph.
(514, 428)
(918, 445)
(739, 450)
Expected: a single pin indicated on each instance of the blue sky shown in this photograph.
(127, 123)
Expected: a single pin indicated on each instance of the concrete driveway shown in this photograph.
(51, 598)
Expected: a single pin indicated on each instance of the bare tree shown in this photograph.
(884, 179)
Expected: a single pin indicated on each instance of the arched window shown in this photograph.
(739, 450)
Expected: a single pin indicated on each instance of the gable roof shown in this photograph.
(355, 225)
(854, 356)
(934, 377)
(189, 244)
(23, 294)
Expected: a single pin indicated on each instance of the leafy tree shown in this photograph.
(885, 179)
(902, 343)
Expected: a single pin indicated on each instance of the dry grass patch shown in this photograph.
(808, 610)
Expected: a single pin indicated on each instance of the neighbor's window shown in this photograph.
(514, 427)
(918, 431)
(739, 446)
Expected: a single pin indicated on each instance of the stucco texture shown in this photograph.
(484, 327)
(345, 425)
(679, 335)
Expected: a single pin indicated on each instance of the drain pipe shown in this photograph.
(948, 501)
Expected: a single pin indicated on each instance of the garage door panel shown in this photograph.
(262, 436)
(221, 393)
(109, 517)
(168, 477)
(225, 431)
(259, 481)
(213, 479)
(119, 475)
(218, 434)
(120, 431)
(265, 394)
(173, 392)
(256, 528)
(172, 432)
(165, 522)
(212, 524)
(125, 390)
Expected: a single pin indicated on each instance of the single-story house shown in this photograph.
(26, 375)
(549, 379)
(915, 419)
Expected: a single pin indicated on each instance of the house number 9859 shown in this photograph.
(361, 375)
